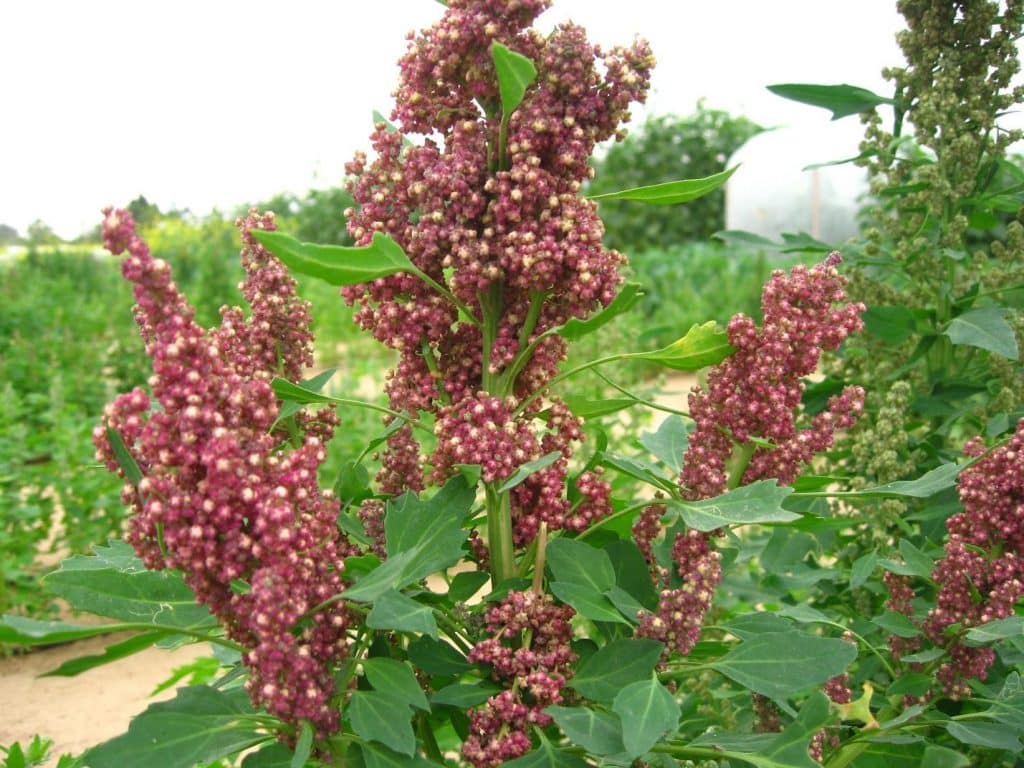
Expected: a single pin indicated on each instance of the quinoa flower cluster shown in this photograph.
(220, 497)
(754, 393)
(981, 576)
(529, 648)
(494, 214)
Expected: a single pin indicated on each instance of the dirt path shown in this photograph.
(79, 712)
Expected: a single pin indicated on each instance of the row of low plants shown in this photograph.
(790, 573)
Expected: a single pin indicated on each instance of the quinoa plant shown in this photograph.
(487, 600)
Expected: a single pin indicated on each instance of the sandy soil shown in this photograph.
(78, 712)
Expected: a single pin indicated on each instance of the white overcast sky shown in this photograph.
(212, 103)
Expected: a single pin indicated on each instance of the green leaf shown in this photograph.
(376, 756)
(923, 657)
(986, 328)
(943, 757)
(394, 610)
(779, 664)
(437, 658)
(637, 469)
(669, 442)
(464, 695)
(379, 717)
(994, 631)
(790, 747)
(703, 345)
(466, 584)
(579, 563)
(574, 329)
(631, 572)
(338, 264)
(272, 755)
(841, 100)
(515, 74)
(759, 502)
(897, 624)
(587, 601)
(111, 653)
(801, 242)
(529, 468)
(113, 582)
(892, 324)
(921, 563)
(470, 473)
(546, 756)
(587, 408)
(650, 711)
(304, 746)
(597, 732)
(991, 735)
(26, 631)
(601, 676)
(423, 537)
(862, 569)
(743, 238)
(671, 192)
(200, 725)
(124, 457)
(395, 678)
(927, 485)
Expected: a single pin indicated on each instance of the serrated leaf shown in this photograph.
(464, 695)
(515, 74)
(671, 192)
(650, 711)
(113, 582)
(780, 664)
(601, 676)
(994, 631)
(841, 100)
(574, 329)
(669, 442)
(397, 611)
(743, 238)
(200, 725)
(395, 678)
(985, 328)
(595, 731)
(124, 457)
(423, 537)
(338, 264)
(382, 718)
(703, 345)
(759, 502)
(587, 601)
(529, 468)
(579, 563)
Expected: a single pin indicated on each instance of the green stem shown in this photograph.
(737, 463)
(428, 357)
(569, 374)
(622, 513)
(499, 534)
(643, 401)
(414, 423)
(490, 304)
